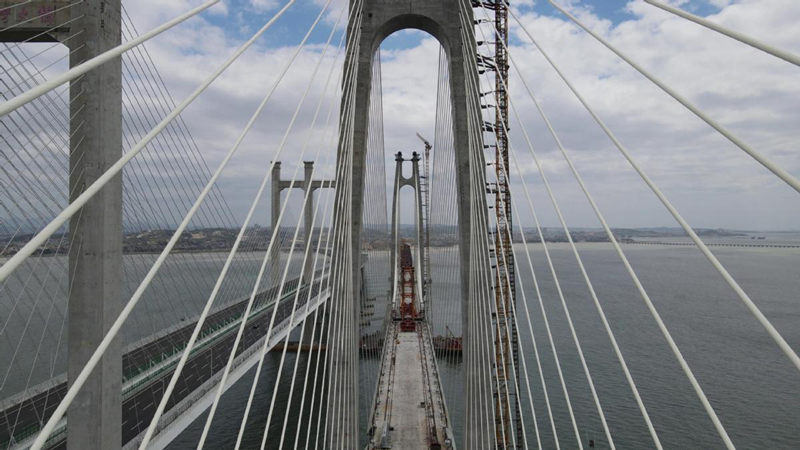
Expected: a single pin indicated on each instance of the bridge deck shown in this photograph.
(148, 367)
(409, 410)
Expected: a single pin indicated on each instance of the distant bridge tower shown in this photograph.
(95, 257)
(450, 22)
(399, 182)
(279, 185)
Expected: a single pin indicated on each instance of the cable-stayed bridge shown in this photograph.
(138, 310)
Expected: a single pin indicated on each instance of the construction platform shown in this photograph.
(409, 410)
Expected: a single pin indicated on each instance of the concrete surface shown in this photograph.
(400, 417)
(379, 19)
(95, 258)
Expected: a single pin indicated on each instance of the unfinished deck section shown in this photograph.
(409, 411)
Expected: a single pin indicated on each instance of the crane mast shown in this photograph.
(424, 184)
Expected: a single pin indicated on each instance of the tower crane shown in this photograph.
(425, 187)
(427, 145)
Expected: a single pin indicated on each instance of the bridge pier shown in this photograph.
(95, 256)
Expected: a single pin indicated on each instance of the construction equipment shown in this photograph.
(426, 205)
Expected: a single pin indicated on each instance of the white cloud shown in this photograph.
(708, 178)
(751, 93)
(264, 5)
(220, 9)
(720, 3)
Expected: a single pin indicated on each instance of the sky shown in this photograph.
(712, 182)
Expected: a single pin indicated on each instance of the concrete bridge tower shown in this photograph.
(399, 182)
(95, 258)
(376, 21)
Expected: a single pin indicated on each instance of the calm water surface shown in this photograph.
(750, 383)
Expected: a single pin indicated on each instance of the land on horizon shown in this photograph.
(375, 238)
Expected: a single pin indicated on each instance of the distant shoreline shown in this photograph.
(220, 240)
(626, 243)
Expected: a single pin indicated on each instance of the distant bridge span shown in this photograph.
(145, 377)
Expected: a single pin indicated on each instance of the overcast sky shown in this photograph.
(712, 182)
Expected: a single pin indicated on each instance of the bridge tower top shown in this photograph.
(443, 19)
(381, 18)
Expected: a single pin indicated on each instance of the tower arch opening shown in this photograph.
(443, 20)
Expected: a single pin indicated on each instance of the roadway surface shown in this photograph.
(141, 400)
(409, 411)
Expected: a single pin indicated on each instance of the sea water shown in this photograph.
(750, 383)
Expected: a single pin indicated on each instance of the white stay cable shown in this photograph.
(547, 326)
(335, 328)
(268, 335)
(557, 208)
(771, 166)
(97, 61)
(504, 278)
(338, 265)
(320, 291)
(327, 279)
(474, 352)
(336, 345)
(550, 338)
(594, 297)
(307, 198)
(536, 355)
(511, 312)
(480, 251)
(187, 351)
(513, 315)
(478, 337)
(396, 244)
(776, 336)
(495, 279)
(501, 278)
(743, 38)
(342, 407)
(327, 329)
(568, 316)
(332, 315)
(275, 231)
(538, 360)
(633, 275)
(42, 236)
(687, 370)
(302, 330)
(323, 324)
(271, 324)
(51, 228)
(613, 239)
